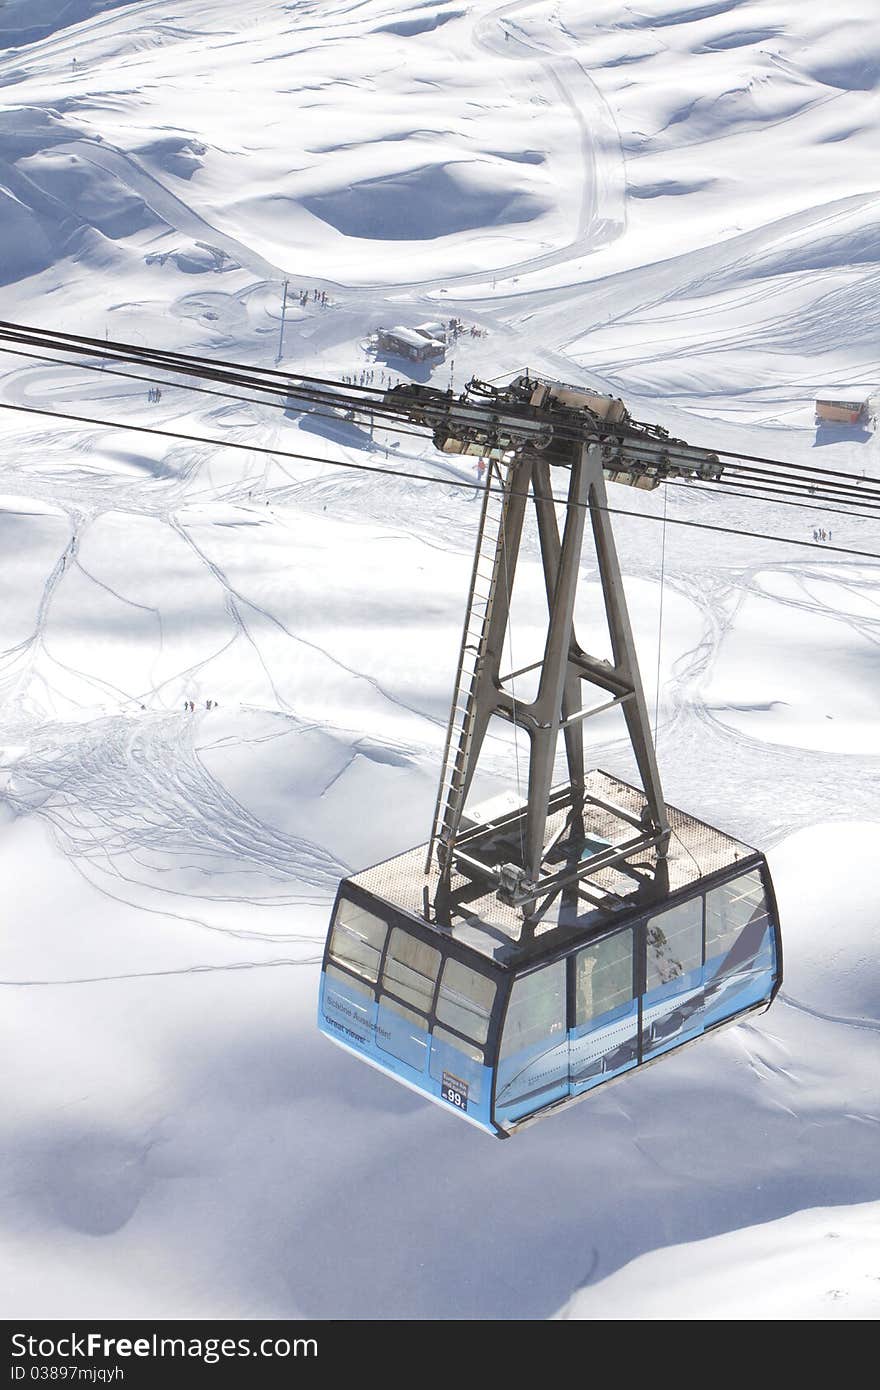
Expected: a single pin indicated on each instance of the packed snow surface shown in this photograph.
(676, 204)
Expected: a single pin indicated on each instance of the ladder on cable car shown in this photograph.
(489, 559)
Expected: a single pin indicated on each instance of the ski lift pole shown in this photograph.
(281, 332)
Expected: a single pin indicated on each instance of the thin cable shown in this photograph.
(231, 371)
(866, 497)
(506, 554)
(748, 487)
(756, 494)
(660, 621)
(284, 406)
(107, 347)
(417, 477)
(741, 474)
(695, 862)
(785, 463)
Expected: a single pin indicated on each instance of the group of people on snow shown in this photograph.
(318, 297)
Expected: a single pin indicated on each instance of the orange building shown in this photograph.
(839, 412)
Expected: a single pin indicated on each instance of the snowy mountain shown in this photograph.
(676, 205)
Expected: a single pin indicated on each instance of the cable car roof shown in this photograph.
(482, 923)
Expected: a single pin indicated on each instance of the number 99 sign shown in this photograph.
(454, 1090)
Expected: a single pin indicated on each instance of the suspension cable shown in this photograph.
(362, 398)
(415, 477)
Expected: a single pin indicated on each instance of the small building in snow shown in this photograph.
(830, 412)
(410, 342)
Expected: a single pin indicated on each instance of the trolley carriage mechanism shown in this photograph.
(534, 950)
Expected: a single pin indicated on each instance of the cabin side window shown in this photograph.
(604, 977)
(730, 908)
(358, 940)
(411, 969)
(536, 1011)
(675, 943)
(465, 1000)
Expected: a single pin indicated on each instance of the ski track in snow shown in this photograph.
(126, 791)
(86, 781)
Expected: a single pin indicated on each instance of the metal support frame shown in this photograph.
(556, 708)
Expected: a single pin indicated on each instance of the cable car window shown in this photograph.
(536, 1011)
(411, 968)
(465, 1000)
(402, 1032)
(475, 1054)
(356, 986)
(357, 940)
(730, 908)
(675, 943)
(604, 977)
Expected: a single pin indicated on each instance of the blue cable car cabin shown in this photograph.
(504, 1021)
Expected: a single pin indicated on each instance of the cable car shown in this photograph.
(530, 953)
(502, 1024)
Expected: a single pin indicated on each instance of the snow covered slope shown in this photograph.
(679, 204)
(815, 1265)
